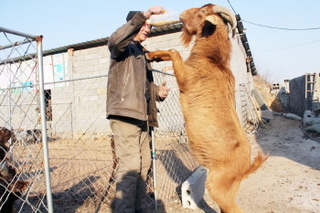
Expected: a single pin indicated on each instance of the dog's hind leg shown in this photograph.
(223, 189)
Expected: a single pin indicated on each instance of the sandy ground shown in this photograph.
(289, 181)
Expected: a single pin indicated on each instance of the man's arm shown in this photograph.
(121, 38)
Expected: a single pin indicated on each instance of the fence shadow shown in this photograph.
(179, 172)
(68, 200)
(144, 199)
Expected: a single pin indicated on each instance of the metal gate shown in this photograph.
(24, 160)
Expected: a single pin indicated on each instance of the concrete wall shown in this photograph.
(304, 97)
(89, 95)
(297, 93)
(78, 95)
(19, 110)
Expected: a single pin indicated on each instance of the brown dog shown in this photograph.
(206, 86)
(5, 135)
(10, 187)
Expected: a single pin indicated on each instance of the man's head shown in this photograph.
(144, 30)
(130, 15)
(143, 33)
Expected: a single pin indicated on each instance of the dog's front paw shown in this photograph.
(148, 57)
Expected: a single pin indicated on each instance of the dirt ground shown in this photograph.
(289, 181)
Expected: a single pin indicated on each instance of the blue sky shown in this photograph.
(278, 54)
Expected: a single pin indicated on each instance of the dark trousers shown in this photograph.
(132, 147)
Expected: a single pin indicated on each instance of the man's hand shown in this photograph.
(154, 10)
(163, 90)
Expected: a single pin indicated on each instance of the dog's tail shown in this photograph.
(258, 161)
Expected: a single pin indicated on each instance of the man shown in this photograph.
(131, 108)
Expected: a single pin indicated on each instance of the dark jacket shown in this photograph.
(131, 90)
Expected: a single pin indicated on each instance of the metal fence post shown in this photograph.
(153, 156)
(44, 124)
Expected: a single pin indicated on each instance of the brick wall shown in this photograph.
(79, 100)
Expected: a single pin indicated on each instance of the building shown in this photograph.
(75, 82)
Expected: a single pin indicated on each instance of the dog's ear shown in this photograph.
(212, 19)
(209, 25)
(19, 186)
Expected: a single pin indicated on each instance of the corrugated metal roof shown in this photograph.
(246, 45)
(99, 42)
(156, 31)
(103, 41)
(78, 46)
(166, 29)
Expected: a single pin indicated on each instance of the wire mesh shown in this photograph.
(249, 110)
(174, 160)
(22, 172)
(90, 162)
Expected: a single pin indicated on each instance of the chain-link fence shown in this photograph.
(250, 117)
(82, 161)
(24, 174)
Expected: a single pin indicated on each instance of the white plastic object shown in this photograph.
(168, 17)
(193, 188)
